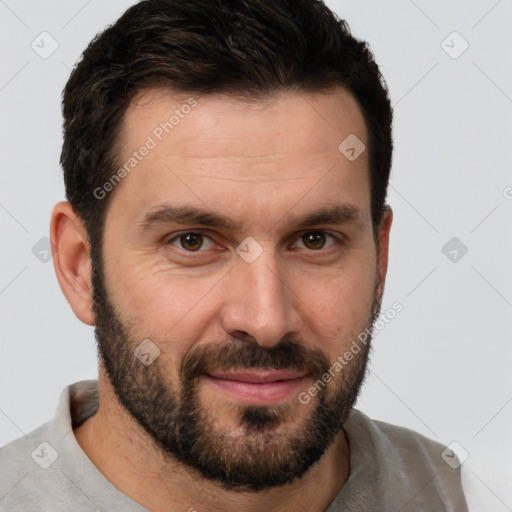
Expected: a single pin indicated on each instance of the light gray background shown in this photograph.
(443, 365)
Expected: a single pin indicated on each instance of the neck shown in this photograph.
(125, 455)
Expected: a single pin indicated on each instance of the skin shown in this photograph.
(262, 164)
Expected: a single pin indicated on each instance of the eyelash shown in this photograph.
(336, 239)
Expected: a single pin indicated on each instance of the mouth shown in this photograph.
(257, 387)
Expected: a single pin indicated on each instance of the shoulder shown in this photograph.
(24, 465)
(37, 469)
(406, 441)
(397, 442)
(406, 463)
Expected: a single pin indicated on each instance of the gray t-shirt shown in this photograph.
(391, 468)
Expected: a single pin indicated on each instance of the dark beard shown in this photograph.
(180, 426)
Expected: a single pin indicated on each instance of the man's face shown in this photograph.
(249, 312)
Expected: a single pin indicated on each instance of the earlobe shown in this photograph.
(71, 260)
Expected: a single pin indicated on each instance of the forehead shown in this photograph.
(309, 121)
(206, 148)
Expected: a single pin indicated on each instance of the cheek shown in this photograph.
(338, 305)
(171, 308)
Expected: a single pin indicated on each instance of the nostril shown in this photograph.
(243, 336)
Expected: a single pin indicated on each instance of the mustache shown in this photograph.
(244, 355)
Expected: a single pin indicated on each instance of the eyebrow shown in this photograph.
(188, 215)
(167, 213)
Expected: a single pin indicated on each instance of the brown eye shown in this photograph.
(191, 242)
(316, 240)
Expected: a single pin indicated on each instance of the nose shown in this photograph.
(260, 304)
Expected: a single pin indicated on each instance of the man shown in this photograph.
(226, 166)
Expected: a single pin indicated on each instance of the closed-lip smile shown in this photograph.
(257, 387)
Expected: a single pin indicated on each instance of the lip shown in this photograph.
(257, 387)
(257, 376)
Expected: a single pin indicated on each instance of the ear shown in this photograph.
(383, 249)
(71, 259)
